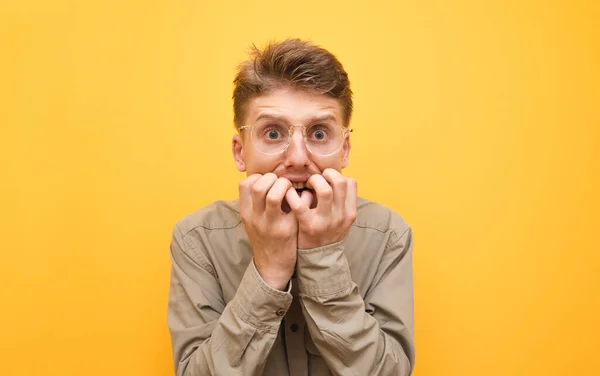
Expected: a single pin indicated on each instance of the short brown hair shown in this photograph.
(294, 63)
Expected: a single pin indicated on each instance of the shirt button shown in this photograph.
(294, 328)
(280, 312)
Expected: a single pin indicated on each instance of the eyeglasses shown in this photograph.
(273, 136)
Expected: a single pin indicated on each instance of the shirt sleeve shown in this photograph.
(210, 337)
(373, 336)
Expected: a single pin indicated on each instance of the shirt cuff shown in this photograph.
(323, 272)
(259, 304)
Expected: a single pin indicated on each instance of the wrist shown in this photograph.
(277, 284)
(275, 278)
(308, 242)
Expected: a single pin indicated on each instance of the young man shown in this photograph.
(299, 276)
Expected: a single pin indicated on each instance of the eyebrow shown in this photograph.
(287, 121)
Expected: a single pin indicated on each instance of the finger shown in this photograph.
(245, 192)
(259, 191)
(339, 184)
(308, 198)
(275, 197)
(298, 206)
(324, 192)
(351, 200)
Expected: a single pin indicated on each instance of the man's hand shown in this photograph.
(330, 220)
(272, 233)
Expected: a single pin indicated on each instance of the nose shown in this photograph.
(296, 154)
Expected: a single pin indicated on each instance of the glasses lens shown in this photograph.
(272, 136)
(324, 138)
(269, 136)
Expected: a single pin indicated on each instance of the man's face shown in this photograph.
(296, 163)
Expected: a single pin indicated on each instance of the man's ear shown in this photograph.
(346, 151)
(237, 148)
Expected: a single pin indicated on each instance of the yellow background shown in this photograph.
(478, 121)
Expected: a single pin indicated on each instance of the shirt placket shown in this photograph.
(294, 335)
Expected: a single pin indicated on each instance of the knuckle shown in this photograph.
(315, 228)
(257, 189)
(250, 180)
(272, 200)
(341, 182)
(244, 184)
(284, 182)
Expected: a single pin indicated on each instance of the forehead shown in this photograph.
(294, 105)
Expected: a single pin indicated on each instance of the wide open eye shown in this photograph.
(319, 133)
(270, 131)
(273, 134)
(324, 138)
(270, 136)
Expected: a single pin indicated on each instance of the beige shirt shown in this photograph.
(348, 309)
